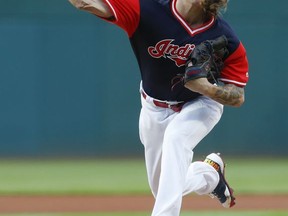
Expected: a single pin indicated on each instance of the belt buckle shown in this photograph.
(176, 107)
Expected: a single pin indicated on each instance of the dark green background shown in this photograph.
(69, 83)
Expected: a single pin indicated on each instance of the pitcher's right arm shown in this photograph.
(97, 7)
(123, 13)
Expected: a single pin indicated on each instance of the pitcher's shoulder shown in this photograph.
(224, 28)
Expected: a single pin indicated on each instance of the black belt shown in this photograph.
(175, 107)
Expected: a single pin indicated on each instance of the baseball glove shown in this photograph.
(206, 60)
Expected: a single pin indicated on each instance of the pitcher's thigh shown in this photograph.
(193, 123)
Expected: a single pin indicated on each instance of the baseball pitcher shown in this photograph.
(192, 64)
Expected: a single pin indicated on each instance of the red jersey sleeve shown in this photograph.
(235, 69)
(126, 13)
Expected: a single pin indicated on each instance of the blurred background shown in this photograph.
(69, 84)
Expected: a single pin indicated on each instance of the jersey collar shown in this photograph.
(191, 31)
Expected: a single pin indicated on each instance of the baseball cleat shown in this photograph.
(222, 191)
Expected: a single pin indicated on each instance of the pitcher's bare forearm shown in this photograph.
(228, 94)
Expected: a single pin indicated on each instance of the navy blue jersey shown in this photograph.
(162, 41)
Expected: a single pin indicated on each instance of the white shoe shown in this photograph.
(222, 191)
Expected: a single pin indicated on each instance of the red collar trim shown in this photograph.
(192, 31)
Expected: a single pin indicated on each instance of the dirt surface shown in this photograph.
(14, 204)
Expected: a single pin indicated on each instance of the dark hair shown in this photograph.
(214, 7)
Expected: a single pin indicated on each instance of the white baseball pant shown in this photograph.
(169, 139)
